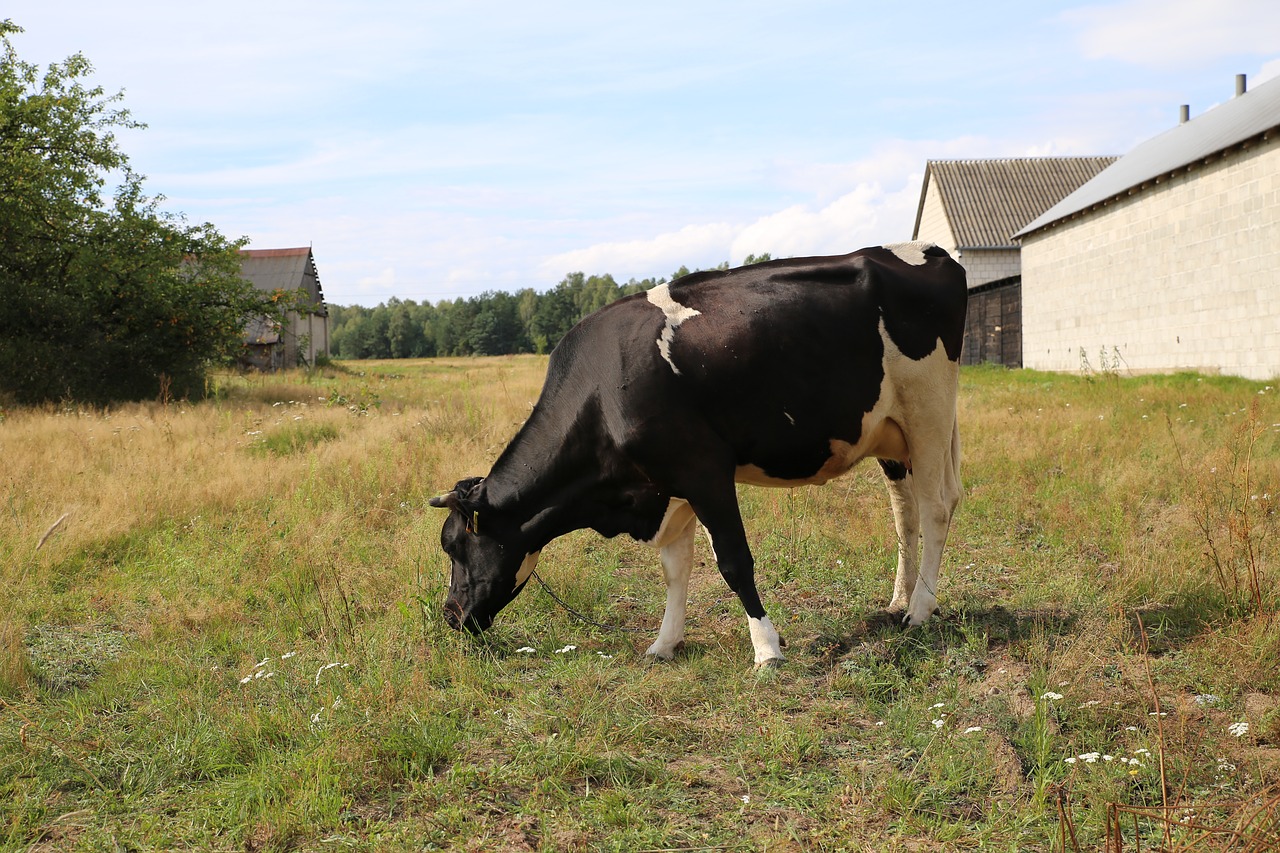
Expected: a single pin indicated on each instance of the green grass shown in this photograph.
(249, 654)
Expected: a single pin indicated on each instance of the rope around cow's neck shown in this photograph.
(581, 617)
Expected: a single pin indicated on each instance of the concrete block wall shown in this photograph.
(984, 265)
(934, 225)
(1184, 274)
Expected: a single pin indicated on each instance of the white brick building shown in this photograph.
(1169, 259)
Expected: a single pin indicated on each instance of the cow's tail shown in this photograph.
(955, 488)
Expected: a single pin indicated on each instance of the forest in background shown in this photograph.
(493, 323)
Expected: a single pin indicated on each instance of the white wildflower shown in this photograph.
(526, 650)
(937, 706)
(1051, 696)
(327, 667)
(746, 798)
(1238, 729)
(937, 724)
(972, 729)
(288, 655)
(566, 650)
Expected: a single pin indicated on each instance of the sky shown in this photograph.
(435, 150)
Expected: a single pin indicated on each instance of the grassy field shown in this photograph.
(220, 629)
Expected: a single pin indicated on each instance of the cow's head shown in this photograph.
(489, 565)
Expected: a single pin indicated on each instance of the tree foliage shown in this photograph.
(102, 297)
(493, 323)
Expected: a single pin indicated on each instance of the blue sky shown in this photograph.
(433, 150)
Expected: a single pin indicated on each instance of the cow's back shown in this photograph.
(784, 357)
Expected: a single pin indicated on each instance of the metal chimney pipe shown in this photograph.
(1184, 114)
(1240, 85)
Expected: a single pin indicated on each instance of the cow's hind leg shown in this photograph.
(906, 520)
(935, 479)
(675, 544)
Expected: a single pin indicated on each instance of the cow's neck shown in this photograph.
(549, 482)
(540, 477)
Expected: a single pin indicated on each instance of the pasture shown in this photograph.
(220, 629)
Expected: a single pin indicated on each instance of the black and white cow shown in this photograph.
(778, 374)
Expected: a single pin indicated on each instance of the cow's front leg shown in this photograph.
(723, 522)
(675, 543)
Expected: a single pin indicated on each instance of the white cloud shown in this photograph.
(1268, 71)
(384, 281)
(1175, 33)
(654, 256)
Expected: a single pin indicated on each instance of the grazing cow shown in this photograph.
(779, 374)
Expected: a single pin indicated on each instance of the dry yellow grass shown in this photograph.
(76, 478)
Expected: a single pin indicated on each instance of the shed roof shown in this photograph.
(281, 269)
(987, 201)
(1238, 121)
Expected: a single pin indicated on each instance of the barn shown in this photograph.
(972, 208)
(305, 333)
(1169, 259)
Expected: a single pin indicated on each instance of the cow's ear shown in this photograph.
(459, 497)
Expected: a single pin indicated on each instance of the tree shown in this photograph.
(100, 300)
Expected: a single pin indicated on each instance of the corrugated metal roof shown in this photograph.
(987, 201)
(1238, 120)
(280, 269)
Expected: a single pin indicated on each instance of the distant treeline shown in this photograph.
(493, 323)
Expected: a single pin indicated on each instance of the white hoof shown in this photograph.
(922, 607)
(664, 651)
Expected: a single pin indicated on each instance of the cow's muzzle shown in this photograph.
(472, 623)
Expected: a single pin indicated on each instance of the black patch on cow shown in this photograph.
(893, 469)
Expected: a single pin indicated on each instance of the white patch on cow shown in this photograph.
(922, 394)
(526, 568)
(675, 313)
(910, 253)
(678, 514)
(765, 639)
